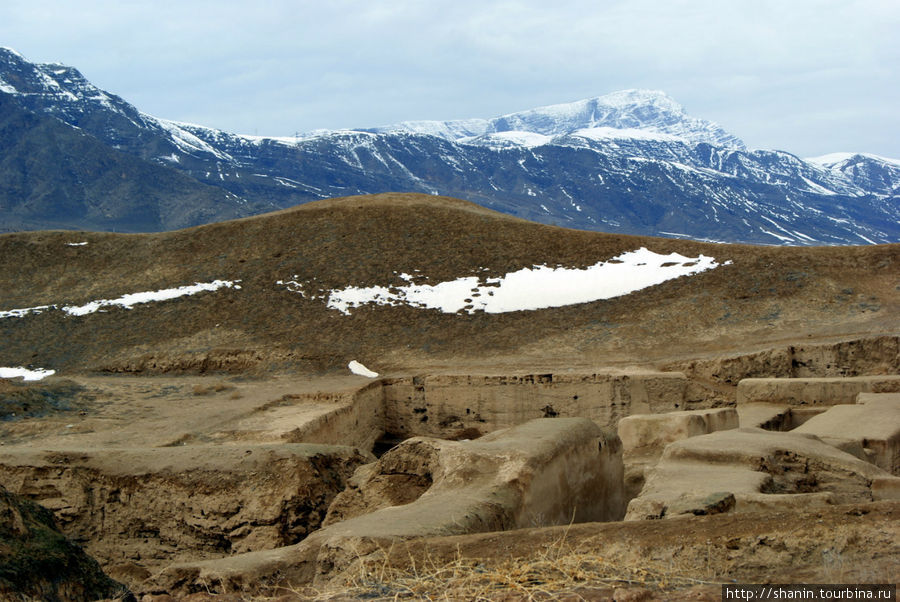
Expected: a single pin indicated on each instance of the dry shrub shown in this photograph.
(216, 388)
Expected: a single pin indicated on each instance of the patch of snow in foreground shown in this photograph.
(127, 301)
(357, 368)
(26, 374)
(20, 313)
(531, 288)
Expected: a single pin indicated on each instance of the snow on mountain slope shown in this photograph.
(632, 162)
(64, 92)
(880, 175)
(632, 110)
(841, 160)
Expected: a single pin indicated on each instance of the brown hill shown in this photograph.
(765, 296)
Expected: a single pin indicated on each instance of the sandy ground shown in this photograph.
(117, 411)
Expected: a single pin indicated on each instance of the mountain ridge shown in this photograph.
(647, 110)
(590, 169)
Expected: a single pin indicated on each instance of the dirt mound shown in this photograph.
(263, 321)
(758, 469)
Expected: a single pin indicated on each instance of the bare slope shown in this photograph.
(764, 295)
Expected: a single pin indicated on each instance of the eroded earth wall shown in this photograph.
(468, 406)
(357, 422)
(857, 357)
(146, 506)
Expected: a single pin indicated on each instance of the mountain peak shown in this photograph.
(639, 96)
(650, 111)
(838, 160)
(10, 52)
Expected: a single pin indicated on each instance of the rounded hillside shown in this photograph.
(277, 275)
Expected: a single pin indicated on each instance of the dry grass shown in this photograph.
(637, 561)
(543, 578)
(558, 572)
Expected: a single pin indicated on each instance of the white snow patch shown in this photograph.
(76, 244)
(778, 236)
(608, 133)
(530, 288)
(283, 140)
(188, 142)
(286, 182)
(128, 301)
(25, 373)
(21, 313)
(357, 368)
(832, 160)
(510, 138)
(817, 187)
(802, 235)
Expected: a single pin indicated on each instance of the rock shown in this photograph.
(714, 503)
(446, 404)
(886, 488)
(858, 357)
(768, 416)
(644, 436)
(399, 477)
(648, 434)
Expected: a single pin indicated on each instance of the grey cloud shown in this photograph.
(806, 76)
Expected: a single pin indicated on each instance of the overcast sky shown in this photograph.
(806, 76)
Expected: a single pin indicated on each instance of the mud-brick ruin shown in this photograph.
(300, 485)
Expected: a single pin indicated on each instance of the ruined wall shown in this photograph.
(467, 406)
(584, 483)
(813, 391)
(876, 355)
(358, 423)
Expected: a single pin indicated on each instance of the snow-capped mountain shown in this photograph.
(628, 113)
(74, 156)
(870, 172)
(632, 162)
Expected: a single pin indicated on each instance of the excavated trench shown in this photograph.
(137, 523)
